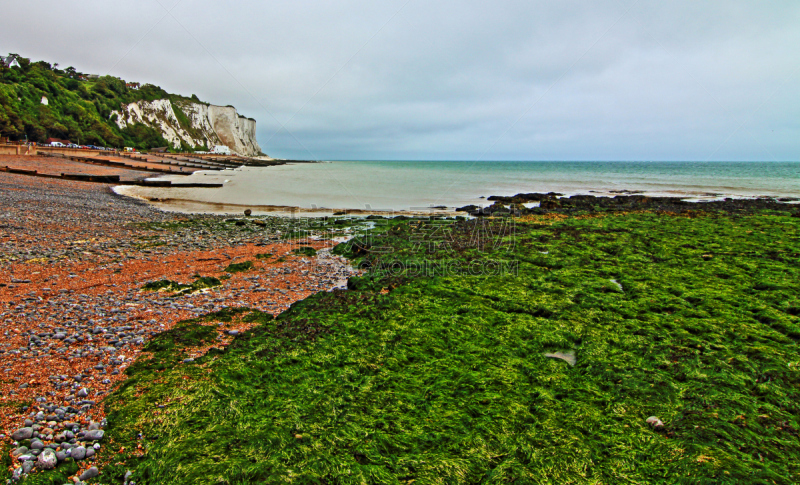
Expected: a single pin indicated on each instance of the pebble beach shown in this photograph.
(73, 313)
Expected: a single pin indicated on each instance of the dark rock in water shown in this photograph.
(22, 434)
(247, 212)
(47, 460)
(90, 473)
(496, 209)
(468, 208)
(629, 200)
(583, 198)
(549, 204)
(522, 198)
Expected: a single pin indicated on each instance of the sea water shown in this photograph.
(416, 185)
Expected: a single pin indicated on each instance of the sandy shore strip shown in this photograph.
(73, 314)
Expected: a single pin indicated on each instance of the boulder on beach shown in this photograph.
(47, 459)
(78, 453)
(22, 434)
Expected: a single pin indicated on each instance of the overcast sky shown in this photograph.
(458, 80)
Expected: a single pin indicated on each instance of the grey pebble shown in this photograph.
(90, 473)
(22, 434)
(78, 453)
(94, 435)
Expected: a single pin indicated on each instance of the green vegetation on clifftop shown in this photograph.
(78, 109)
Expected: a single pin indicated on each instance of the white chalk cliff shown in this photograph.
(208, 125)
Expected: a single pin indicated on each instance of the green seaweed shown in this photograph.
(439, 376)
(239, 267)
(305, 251)
(169, 286)
(56, 476)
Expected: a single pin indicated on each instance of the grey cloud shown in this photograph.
(609, 79)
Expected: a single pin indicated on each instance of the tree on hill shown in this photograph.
(77, 109)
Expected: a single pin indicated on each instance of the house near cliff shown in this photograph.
(10, 61)
(133, 85)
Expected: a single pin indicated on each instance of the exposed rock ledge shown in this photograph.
(207, 125)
